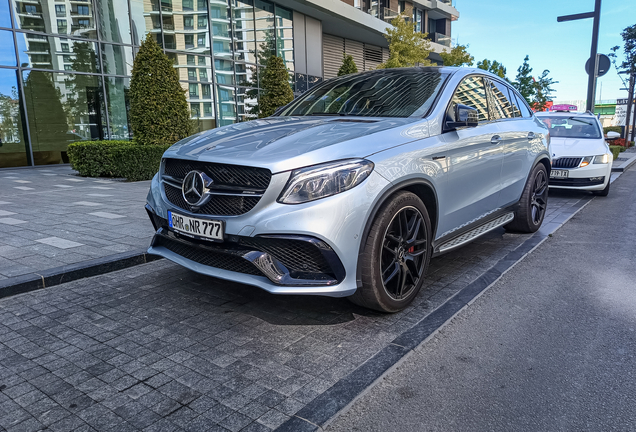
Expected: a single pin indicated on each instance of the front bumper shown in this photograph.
(592, 177)
(317, 243)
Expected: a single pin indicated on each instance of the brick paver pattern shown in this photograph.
(159, 348)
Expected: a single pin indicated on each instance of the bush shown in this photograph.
(607, 129)
(615, 150)
(159, 112)
(116, 159)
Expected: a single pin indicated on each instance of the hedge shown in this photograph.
(616, 150)
(116, 159)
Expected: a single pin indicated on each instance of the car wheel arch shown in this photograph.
(424, 190)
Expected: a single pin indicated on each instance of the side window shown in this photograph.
(513, 101)
(500, 106)
(471, 92)
(525, 111)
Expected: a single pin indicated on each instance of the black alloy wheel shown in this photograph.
(403, 253)
(539, 200)
(533, 202)
(395, 255)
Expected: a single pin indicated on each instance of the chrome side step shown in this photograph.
(473, 234)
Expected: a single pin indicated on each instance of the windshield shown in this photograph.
(571, 127)
(386, 93)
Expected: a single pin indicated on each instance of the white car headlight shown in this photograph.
(602, 159)
(320, 181)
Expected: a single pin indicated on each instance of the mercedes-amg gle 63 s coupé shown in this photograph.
(351, 188)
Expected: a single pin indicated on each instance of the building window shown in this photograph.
(201, 61)
(207, 109)
(187, 5)
(65, 47)
(188, 22)
(83, 23)
(190, 60)
(61, 26)
(82, 10)
(68, 67)
(205, 91)
(202, 5)
(192, 74)
(203, 75)
(202, 22)
(30, 9)
(201, 39)
(60, 10)
(194, 91)
(195, 110)
(189, 41)
(401, 6)
(67, 58)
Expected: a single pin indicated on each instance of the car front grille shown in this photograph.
(577, 182)
(222, 174)
(566, 162)
(221, 205)
(296, 255)
(247, 183)
(304, 258)
(207, 256)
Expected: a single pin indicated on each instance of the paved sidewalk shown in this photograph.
(50, 217)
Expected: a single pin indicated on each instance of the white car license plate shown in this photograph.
(193, 227)
(558, 174)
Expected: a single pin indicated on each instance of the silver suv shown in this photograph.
(350, 189)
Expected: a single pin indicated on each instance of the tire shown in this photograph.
(603, 192)
(393, 263)
(533, 203)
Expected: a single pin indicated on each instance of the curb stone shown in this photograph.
(67, 273)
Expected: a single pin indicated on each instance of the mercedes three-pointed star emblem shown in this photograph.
(195, 188)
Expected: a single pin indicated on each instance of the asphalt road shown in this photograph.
(549, 347)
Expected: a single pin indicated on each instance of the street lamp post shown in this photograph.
(591, 82)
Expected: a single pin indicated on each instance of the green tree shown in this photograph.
(47, 119)
(493, 67)
(524, 83)
(407, 47)
(457, 56)
(265, 51)
(542, 91)
(276, 90)
(348, 65)
(159, 112)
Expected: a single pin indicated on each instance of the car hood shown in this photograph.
(285, 143)
(562, 147)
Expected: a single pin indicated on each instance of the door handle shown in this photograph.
(496, 139)
(531, 135)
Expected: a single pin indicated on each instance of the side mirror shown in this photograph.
(465, 116)
(611, 135)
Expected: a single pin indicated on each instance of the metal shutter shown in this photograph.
(332, 49)
(372, 56)
(356, 50)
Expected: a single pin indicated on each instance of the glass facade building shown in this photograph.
(65, 65)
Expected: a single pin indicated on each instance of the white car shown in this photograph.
(581, 159)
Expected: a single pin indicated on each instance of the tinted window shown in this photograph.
(388, 93)
(571, 127)
(523, 106)
(500, 106)
(471, 92)
(515, 104)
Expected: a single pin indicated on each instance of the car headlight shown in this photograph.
(602, 159)
(320, 181)
(586, 161)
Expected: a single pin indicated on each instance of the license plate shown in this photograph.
(558, 174)
(194, 227)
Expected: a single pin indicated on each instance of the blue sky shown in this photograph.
(507, 30)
